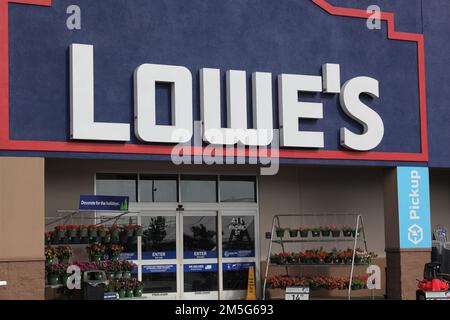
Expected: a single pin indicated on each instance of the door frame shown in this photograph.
(221, 209)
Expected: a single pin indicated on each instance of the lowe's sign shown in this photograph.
(129, 79)
(414, 207)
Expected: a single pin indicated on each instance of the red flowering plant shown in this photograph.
(101, 230)
(114, 230)
(347, 230)
(60, 232)
(57, 268)
(130, 229)
(86, 266)
(93, 232)
(325, 231)
(72, 231)
(49, 236)
(127, 266)
(316, 282)
(335, 231)
(83, 231)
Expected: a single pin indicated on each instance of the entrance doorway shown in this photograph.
(196, 254)
(199, 232)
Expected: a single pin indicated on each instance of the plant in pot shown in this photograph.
(127, 268)
(114, 251)
(347, 231)
(280, 232)
(52, 275)
(315, 232)
(107, 238)
(72, 231)
(121, 288)
(275, 259)
(293, 233)
(49, 237)
(116, 267)
(64, 253)
(83, 230)
(129, 285)
(115, 231)
(50, 255)
(101, 231)
(332, 257)
(92, 230)
(335, 231)
(138, 231)
(129, 230)
(138, 288)
(56, 273)
(325, 231)
(95, 251)
(303, 232)
(60, 232)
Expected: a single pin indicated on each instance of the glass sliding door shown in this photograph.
(239, 253)
(158, 255)
(200, 255)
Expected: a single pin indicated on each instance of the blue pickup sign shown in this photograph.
(414, 207)
(104, 203)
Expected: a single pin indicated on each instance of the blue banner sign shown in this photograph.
(237, 266)
(170, 268)
(200, 267)
(104, 203)
(207, 254)
(414, 207)
(238, 253)
(159, 255)
(128, 256)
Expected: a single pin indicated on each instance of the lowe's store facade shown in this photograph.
(234, 131)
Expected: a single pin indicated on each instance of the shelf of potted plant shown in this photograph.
(325, 233)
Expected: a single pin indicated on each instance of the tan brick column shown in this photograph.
(22, 228)
(404, 266)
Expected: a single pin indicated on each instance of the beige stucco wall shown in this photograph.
(440, 197)
(21, 208)
(22, 228)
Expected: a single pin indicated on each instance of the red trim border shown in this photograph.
(51, 146)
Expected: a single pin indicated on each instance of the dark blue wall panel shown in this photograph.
(289, 36)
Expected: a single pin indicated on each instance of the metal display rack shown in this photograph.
(359, 235)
